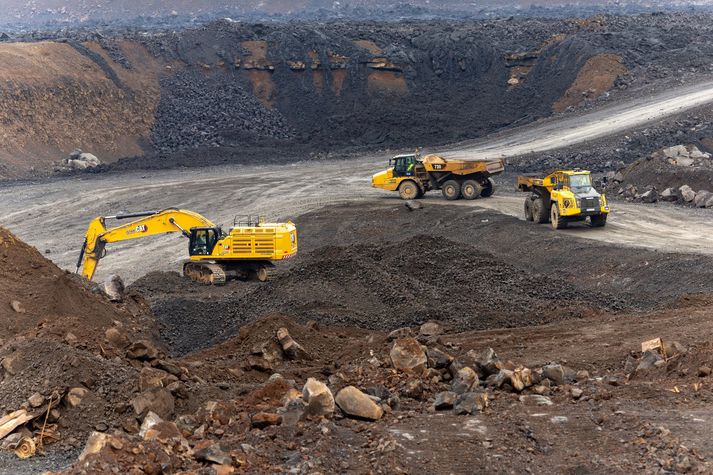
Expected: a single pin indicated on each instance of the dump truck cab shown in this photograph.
(563, 196)
(401, 168)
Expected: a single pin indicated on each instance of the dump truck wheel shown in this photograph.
(488, 188)
(451, 190)
(528, 209)
(558, 222)
(471, 189)
(408, 190)
(539, 211)
(598, 220)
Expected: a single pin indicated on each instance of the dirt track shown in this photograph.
(552, 134)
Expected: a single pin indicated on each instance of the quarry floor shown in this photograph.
(583, 297)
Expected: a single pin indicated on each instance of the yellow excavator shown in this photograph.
(247, 250)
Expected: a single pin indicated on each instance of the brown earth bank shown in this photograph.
(393, 313)
(237, 92)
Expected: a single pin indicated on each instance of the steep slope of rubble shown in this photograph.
(231, 91)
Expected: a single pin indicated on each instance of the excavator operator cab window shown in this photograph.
(203, 241)
(404, 166)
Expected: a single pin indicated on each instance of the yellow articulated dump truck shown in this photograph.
(412, 176)
(563, 197)
(247, 250)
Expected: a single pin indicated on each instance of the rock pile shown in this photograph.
(78, 161)
(667, 172)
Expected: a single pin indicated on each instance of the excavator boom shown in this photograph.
(248, 249)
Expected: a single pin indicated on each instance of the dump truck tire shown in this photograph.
(598, 220)
(471, 189)
(409, 190)
(488, 188)
(451, 190)
(540, 213)
(558, 222)
(528, 209)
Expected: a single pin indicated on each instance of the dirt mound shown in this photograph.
(38, 298)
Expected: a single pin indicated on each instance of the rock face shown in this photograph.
(318, 398)
(357, 404)
(407, 354)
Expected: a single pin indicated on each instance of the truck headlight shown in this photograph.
(579, 203)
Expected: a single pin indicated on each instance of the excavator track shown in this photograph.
(205, 273)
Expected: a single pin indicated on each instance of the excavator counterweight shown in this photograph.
(248, 249)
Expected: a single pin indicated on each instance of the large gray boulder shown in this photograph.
(701, 198)
(687, 193)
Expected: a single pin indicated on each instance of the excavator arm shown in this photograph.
(149, 223)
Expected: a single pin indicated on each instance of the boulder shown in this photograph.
(554, 372)
(438, 359)
(290, 347)
(36, 400)
(618, 177)
(685, 162)
(687, 193)
(407, 354)
(521, 378)
(265, 419)
(445, 400)
(675, 152)
(471, 402)
(650, 361)
(74, 396)
(154, 378)
(430, 329)
(17, 306)
(413, 205)
(158, 400)
(701, 198)
(355, 403)
(489, 362)
(535, 400)
(114, 288)
(143, 350)
(709, 202)
(650, 196)
(213, 453)
(669, 194)
(114, 336)
(464, 380)
(696, 154)
(318, 397)
(259, 363)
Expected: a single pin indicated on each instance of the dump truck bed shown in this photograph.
(435, 163)
(528, 182)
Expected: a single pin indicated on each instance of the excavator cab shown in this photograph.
(202, 241)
